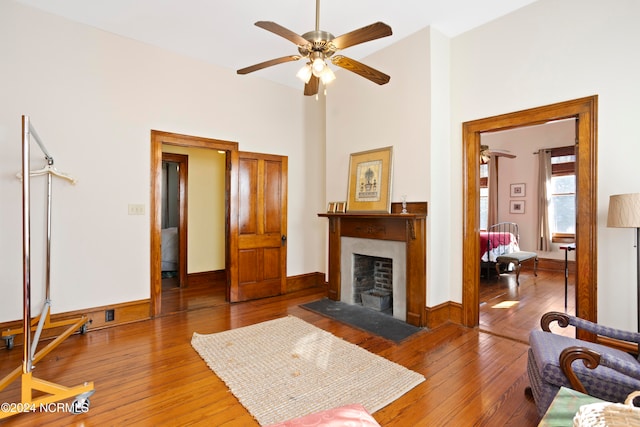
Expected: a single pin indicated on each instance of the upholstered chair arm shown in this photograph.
(565, 320)
(592, 359)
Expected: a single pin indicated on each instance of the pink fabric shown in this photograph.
(350, 415)
(497, 239)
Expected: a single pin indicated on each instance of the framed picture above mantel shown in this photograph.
(370, 175)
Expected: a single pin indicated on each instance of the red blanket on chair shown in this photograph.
(497, 239)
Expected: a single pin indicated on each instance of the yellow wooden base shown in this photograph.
(56, 393)
(48, 324)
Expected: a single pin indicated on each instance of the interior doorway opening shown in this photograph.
(584, 110)
(229, 150)
(174, 216)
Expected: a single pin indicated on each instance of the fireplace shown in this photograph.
(399, 237)
(357, 266)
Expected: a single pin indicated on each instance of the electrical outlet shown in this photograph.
(109, 315)
(136, 209)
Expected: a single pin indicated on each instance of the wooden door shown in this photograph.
(262, 227)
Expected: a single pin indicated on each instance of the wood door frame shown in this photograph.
(183, 182)
(158, 138)
(585, 111)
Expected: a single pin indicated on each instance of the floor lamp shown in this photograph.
(624, 212)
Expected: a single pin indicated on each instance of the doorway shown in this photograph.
(175, 172)
(510, 307)
(584, 110)
(230, 149)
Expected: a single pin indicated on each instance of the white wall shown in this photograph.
(553, 51)
(94, 98)
(363, 116)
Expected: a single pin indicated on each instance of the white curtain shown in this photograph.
(544, 182)
(492, 187)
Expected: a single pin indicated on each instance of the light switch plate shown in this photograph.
(136, 209)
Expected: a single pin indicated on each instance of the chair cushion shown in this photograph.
(516, 256)
(601, 382)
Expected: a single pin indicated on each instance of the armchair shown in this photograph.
(605, 372)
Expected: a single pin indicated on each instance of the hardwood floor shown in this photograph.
(512, 311)
(194, 297)
(147, 373)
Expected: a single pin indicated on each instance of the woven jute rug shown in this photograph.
(286, 368)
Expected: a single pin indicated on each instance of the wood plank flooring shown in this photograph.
(513, 311)
(147, 373)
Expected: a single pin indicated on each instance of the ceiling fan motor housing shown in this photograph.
(319, 41)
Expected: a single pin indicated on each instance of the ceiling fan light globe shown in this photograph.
(318, 66)
(327, 76)
(305, 73)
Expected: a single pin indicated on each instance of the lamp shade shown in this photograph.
(624, 211)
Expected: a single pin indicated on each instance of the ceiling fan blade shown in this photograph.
(497, 152)
(311, 88)
(269, 63)
(282, 32)
(361, 69)
(503, 154)
(364, 34)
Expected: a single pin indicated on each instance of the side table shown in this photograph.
(564, 407)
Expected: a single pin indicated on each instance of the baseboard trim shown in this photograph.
(124, 313)
(214, 278)
(305, 281)
(443, 313)
(553, 265)
(218, 278)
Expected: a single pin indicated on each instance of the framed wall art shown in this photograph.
(516, 207)
(518, 190)
(370, 175)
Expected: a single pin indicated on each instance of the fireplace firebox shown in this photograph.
(372, 277)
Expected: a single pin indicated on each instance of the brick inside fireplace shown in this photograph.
(373, 276)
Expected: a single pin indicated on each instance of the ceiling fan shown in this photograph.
(486, 153)
(317, 46)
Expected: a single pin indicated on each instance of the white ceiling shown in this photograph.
(222, 31)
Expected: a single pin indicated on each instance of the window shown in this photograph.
(562, 209)
(484, 196)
